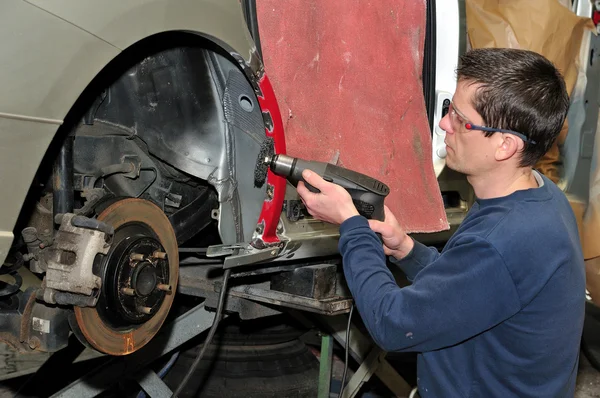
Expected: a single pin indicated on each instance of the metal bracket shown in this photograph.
(153, 385)
(364, 351)
(181, 330)
(242, 254)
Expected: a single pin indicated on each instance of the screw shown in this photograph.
(145, 310)
(136, 257)
(273, 252)
(34, 343)
(163, 287)
(160, 255)
(128, 291)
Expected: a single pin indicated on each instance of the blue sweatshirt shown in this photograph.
(498, 313)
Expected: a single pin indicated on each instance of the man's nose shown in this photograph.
(445, 124)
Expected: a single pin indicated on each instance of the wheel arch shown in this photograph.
(252, 70)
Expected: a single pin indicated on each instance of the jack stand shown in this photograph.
(369, 355)
(326, 359)
(363, 350)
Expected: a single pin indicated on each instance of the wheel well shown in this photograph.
(116, 68)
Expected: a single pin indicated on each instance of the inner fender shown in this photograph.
(196, 111)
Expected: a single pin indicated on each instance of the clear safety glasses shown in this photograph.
(458, 119)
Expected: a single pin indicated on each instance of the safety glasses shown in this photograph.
(458, 119)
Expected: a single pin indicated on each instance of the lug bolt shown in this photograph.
(163, 287)
(145, 310)
(128, 291)
(159, 255)
(136, 257)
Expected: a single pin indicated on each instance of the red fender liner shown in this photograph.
(271, 210)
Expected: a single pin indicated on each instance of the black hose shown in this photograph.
(210, 336)
(347, 349)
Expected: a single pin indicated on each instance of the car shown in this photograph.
(127, 129)
(130, 137)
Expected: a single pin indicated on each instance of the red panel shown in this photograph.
(347, 75)
(272, 207)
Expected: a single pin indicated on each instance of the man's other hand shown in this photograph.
(333, 205)
(396, 242)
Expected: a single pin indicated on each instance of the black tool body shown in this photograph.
(368, 194)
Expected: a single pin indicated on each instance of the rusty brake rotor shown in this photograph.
(139, 279)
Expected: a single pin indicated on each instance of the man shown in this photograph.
(499, 312)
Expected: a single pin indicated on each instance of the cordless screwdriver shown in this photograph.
(368, 194)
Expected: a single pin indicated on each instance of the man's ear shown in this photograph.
(509, 146)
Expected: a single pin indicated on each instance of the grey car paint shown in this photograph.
(53, 49)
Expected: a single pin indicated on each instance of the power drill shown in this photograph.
(368, 194)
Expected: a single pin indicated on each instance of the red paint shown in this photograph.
(348, 80)
(271, 209)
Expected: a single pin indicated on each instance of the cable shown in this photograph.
(211, 333)
(347, 350)
(151, 182)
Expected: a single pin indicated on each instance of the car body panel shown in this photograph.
(123, 23)
(357, 99)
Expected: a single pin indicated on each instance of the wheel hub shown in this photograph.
(133, 274)
(139, 277)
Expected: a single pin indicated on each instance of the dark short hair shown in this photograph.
(520, 91)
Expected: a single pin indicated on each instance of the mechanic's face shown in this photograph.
(468, 152)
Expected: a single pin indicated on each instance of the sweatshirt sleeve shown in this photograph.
(418, 258)
(447, 302)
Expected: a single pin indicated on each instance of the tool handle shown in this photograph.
(368, 204)
(368, 194)
(310, 187)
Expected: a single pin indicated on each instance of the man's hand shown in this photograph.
(396, 242)
(333, 205)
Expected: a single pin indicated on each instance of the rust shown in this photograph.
(101, 335)
(57, 181)
(26, 318)
(14, 343)
(129, 343)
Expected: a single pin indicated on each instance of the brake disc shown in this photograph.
(139, 279)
